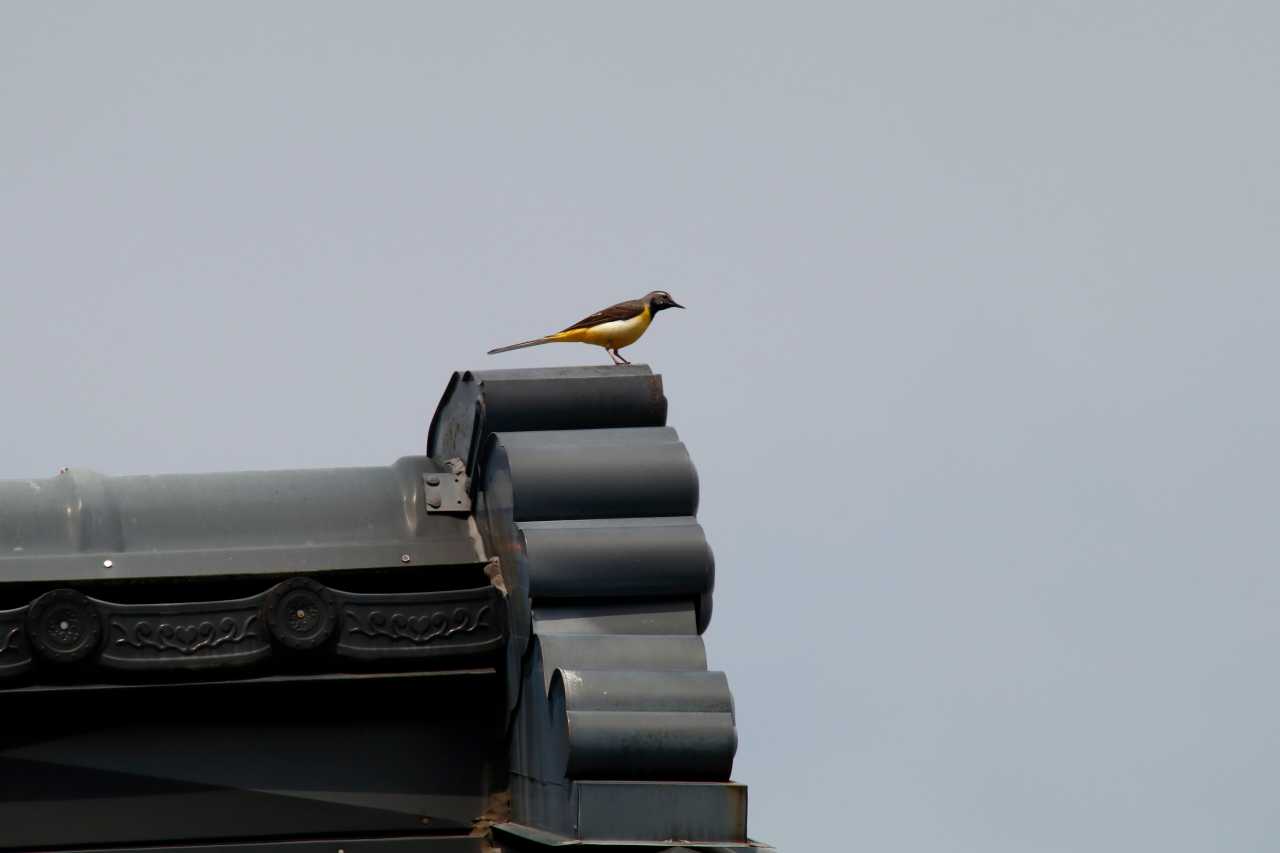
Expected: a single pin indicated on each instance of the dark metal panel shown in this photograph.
(675, 812)
(441, 680)
(622, 481)
(618, 557)
(519, 838)
(649, 745)
(626, 617)
(661, 654)
(476, 403)
(405, 844)
(546, 805)
(627, 690)
(537, 748)
(82, 526)
(242, 760)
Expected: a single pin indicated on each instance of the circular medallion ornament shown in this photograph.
(301, 613)
(63, 626)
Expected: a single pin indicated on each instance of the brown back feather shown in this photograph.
(621, 311)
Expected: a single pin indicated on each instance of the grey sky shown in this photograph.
(978, 368)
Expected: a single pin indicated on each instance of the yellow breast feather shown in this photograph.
(614, 334)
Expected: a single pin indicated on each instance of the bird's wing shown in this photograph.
(621, 311)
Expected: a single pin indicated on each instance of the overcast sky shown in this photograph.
(978, 367)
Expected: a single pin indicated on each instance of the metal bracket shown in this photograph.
(448, 491)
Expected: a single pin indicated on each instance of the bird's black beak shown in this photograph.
(675, 304)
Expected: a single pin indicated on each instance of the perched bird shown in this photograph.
(613, 328)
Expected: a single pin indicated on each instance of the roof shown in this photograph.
(507, 632)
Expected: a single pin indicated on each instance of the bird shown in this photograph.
(613, 328)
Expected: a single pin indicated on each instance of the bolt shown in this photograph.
(404, 558)
(433, 501)
(300, 613)
(433, 480)
(64, 625)
(106, 564)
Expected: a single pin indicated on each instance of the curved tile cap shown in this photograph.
(639, 724)
(479, 402)
(623, 616)
(619, 652)
(622, 557)
(643, 690)
(601, 477)
(648, 745)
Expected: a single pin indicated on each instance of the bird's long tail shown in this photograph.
(533, 343)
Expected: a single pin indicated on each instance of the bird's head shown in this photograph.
(659, 300)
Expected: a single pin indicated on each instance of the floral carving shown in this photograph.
(187, 639)
(418, 629)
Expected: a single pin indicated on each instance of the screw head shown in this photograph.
(106, 564)
(404, 558)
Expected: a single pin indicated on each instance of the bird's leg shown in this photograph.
(620, 360)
